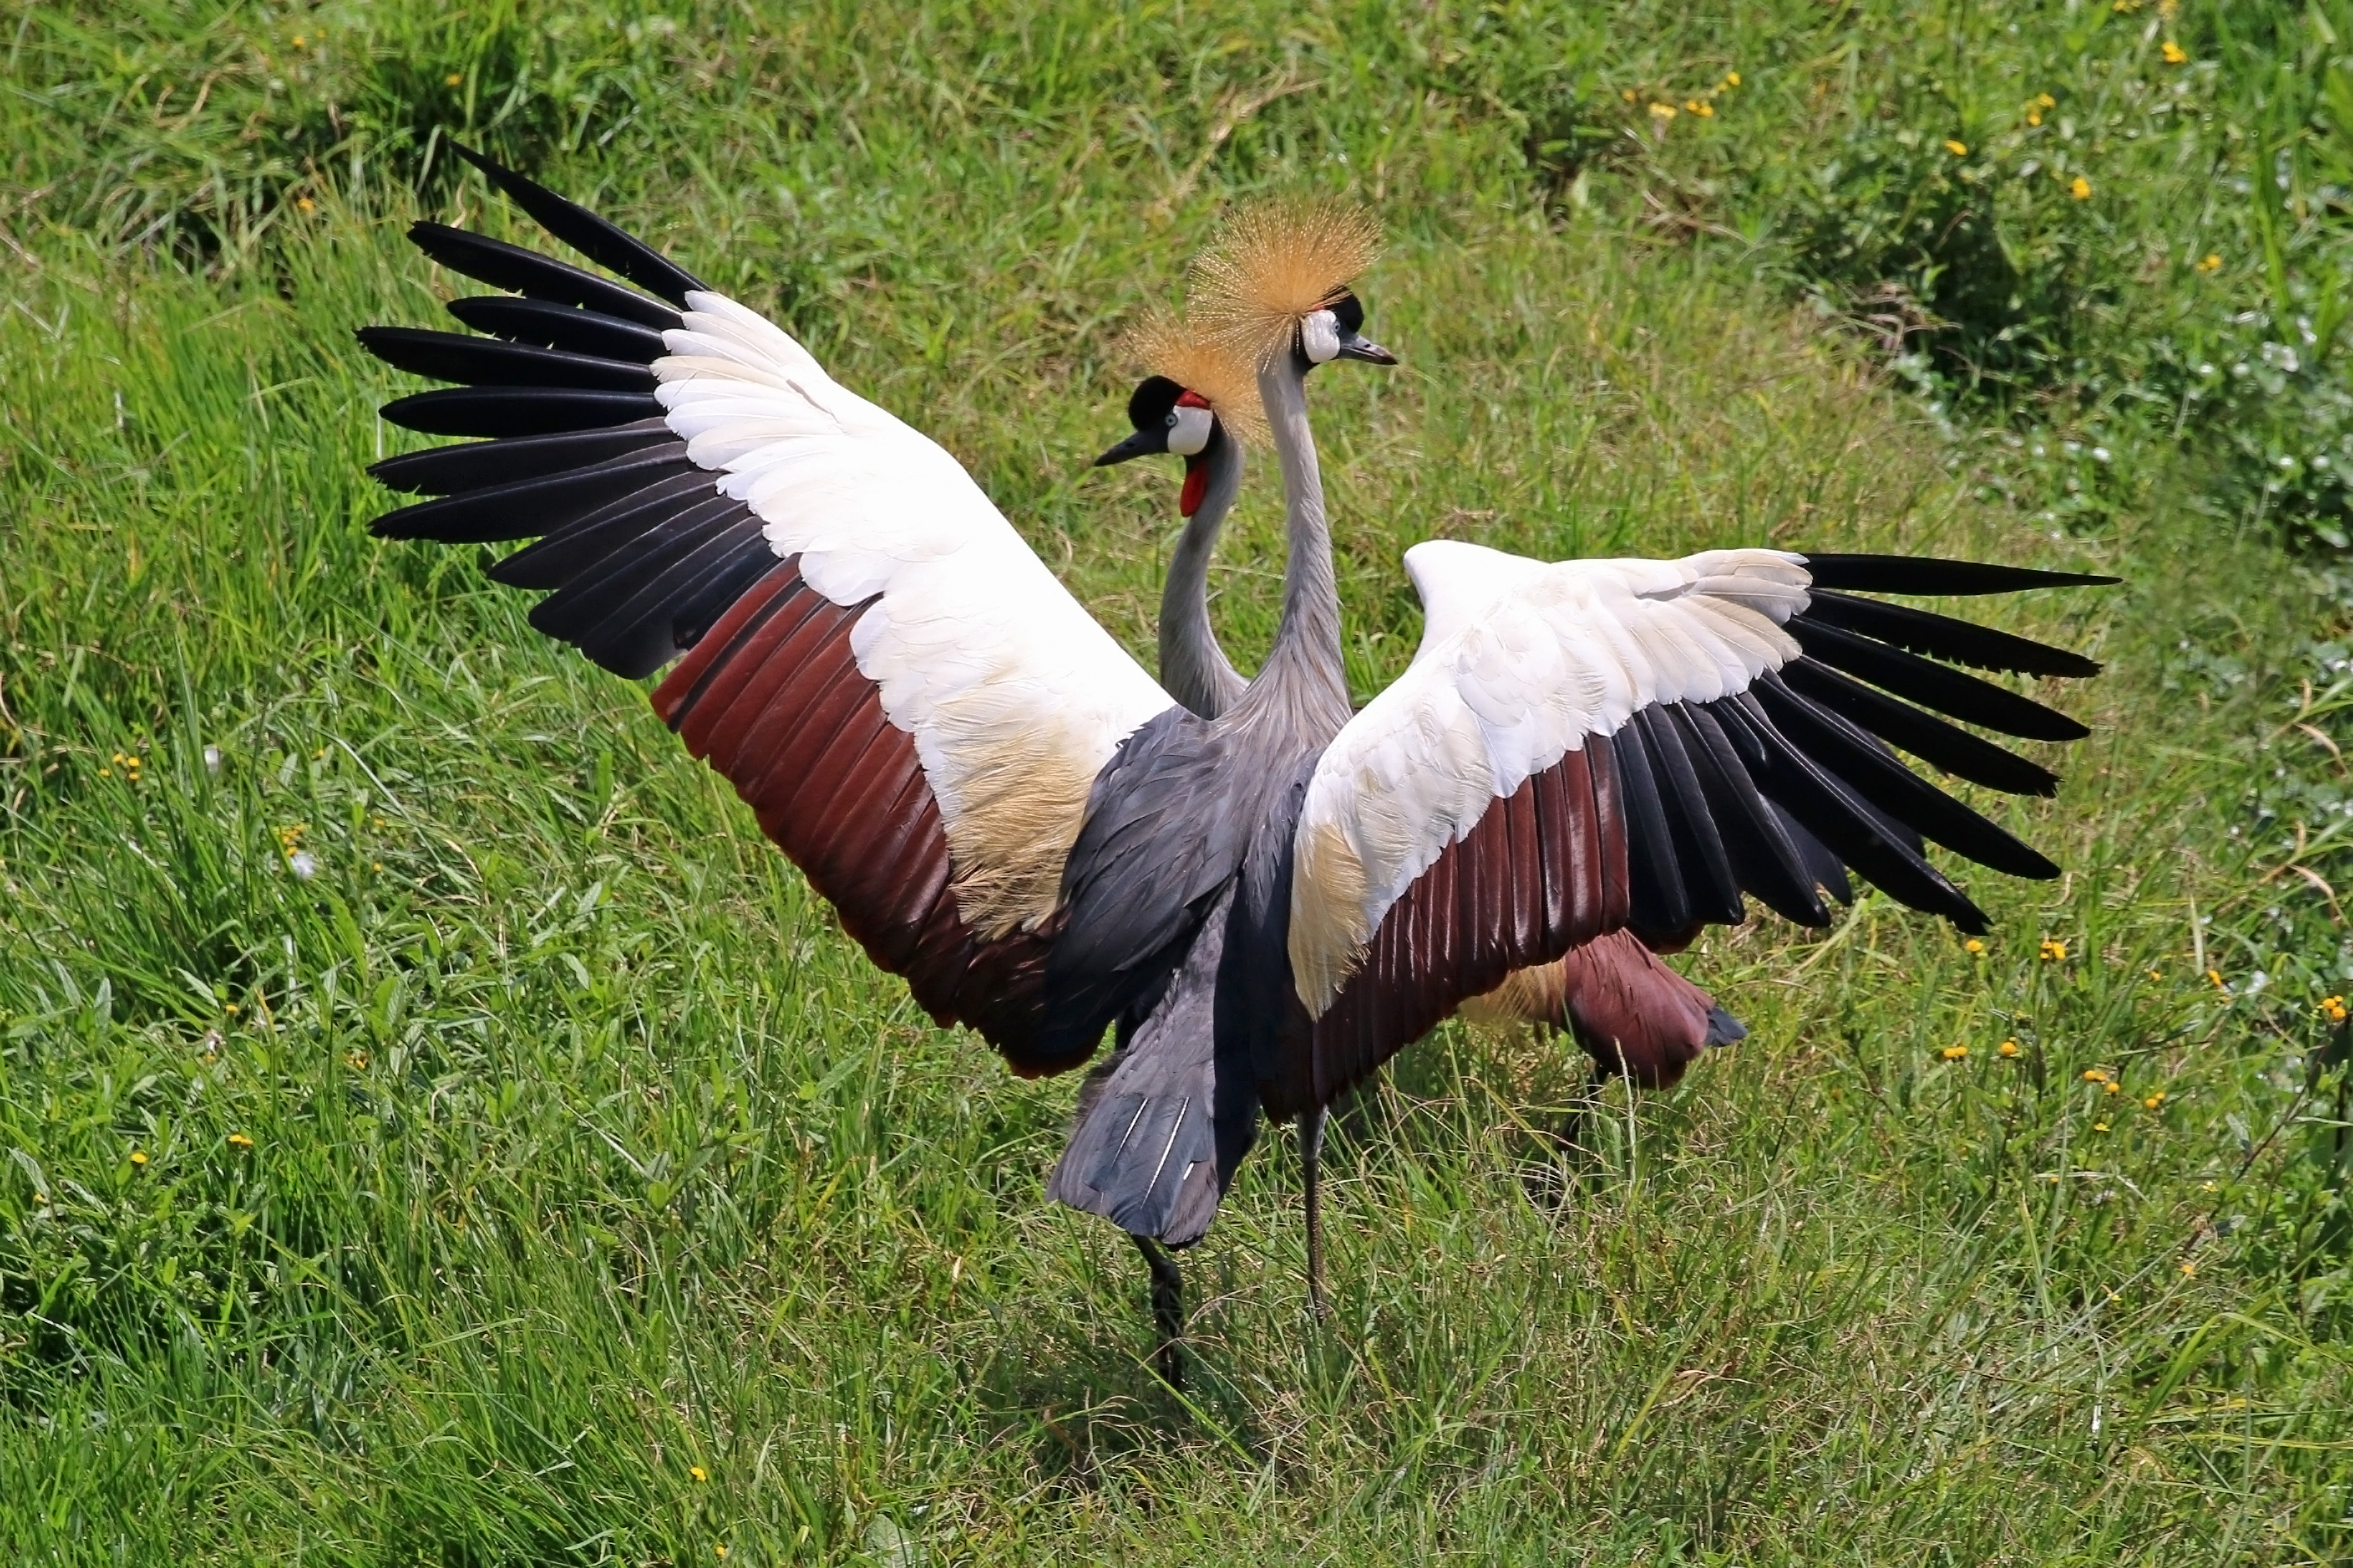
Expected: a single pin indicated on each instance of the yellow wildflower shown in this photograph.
(2157, 974)
(2034, 116)
(228, 1006)
(1628, 95)
(2210, 1186)
(239, 1140)
(1958, 149)
(2080, 188)
(2054, 951)
(139, 1156)
(359, 1060)
(2215, 976)
(2213, 263)
(304, 204)
(2115, 1087)
(2174, 53)
(2154, 1100)
(41, 1198)
(2099, 1127)
(2333, 1008)
(698, 1472)
(1731, 78)
(452, 79)
(1702, 108)
(1956, 1053)
(1663, 112)
(2008, 1048)
(2188, 1270)
(1973, 947)
(2093, 1075)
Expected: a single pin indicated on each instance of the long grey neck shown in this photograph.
(1193, 667)
(1304, 684)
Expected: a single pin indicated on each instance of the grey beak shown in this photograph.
(1132, 447)
(1364, 348)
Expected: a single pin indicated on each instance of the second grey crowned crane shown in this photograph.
(1011, 815)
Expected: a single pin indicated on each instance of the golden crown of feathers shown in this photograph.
(1163, 345)
(1275, 261)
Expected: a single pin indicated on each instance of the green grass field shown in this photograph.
(546, 1179)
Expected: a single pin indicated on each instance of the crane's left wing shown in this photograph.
(1592, 745)
(872, 657)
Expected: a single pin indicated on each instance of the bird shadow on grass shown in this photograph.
(1088, 1401)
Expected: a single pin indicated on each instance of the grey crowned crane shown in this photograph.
(1010, 813)
(1199, 402)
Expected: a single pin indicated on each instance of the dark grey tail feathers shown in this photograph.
(1159, 1134)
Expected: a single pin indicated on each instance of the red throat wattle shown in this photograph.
(1196, 485)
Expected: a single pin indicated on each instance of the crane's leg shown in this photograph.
(1167, 1309)
(1311, 1167)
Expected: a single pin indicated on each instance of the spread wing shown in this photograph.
(912, 704)
(1592, 745)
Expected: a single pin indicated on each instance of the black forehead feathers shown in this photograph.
(1153, 396)
(1349, 312)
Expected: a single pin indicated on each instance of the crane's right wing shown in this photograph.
(873, 658)
(1589, 745)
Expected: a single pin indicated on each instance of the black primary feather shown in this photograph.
(1660, 906)
(1933, 685)
(490, 362)
(644, 634)
(1765, 862)
(617, 614)
(501, 411)
(1927, 575)
(1926, 736)
(451, 470)
(1875, 776)
(551, 326)
(593, 236)
(569, 552)
(1856, 833)
(1711, 890)
(538, 506)
(1943, 637)
(527, 272)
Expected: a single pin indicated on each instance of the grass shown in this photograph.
(546, 1179)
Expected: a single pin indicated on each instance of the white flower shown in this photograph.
(212, 759)
(303, 864)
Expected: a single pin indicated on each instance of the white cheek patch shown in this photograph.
(1319, 336)
(1189, 430)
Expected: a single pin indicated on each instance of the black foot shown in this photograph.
(1167, 1311)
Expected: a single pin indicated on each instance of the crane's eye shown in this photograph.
(1188, 430)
